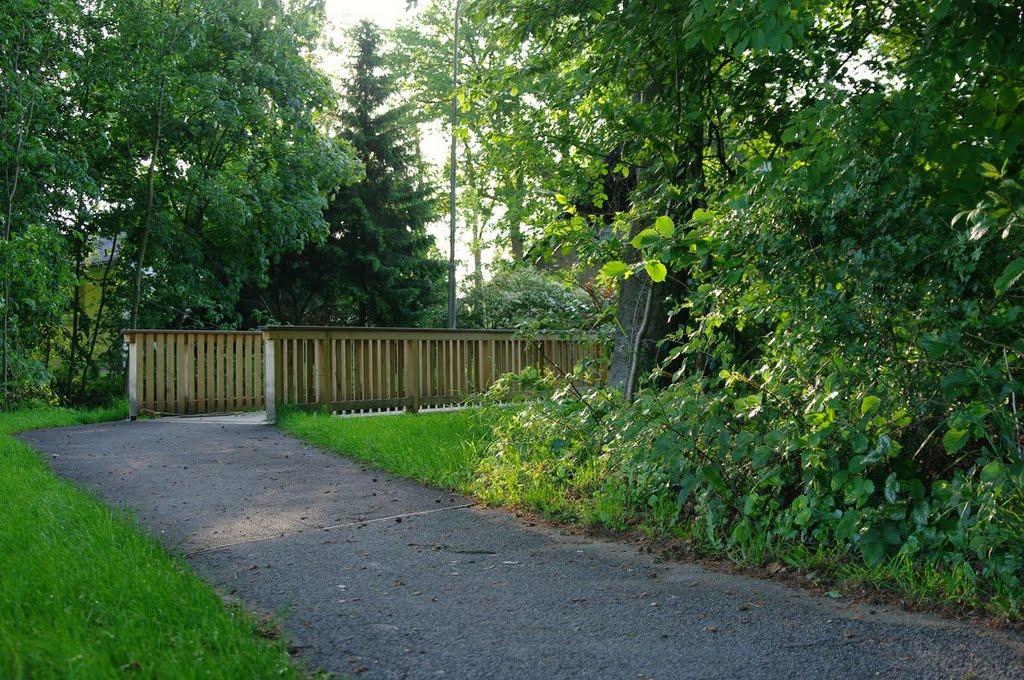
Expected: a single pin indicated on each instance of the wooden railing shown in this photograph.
(340, 369)
(193, 372)
(347, 369)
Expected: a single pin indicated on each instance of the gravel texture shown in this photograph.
(379, 577)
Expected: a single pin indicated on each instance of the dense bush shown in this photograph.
(525, 298)
(735, 468)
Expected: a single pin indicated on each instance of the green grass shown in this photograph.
(84, 594)
(433, 448)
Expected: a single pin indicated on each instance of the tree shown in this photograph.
(524, 298)
(38, 177)
(377, 266)
(191, 135)
(833, 191)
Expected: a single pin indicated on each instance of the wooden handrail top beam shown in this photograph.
(130, 333)
(362, 333)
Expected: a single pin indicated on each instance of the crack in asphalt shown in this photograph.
(283, 534)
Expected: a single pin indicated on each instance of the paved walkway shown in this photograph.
(410, 582)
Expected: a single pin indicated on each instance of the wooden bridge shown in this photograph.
(341, 369)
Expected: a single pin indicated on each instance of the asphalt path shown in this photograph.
(378, 577)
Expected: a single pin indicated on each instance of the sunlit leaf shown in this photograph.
(954, 440)
(614, 269)
(665, 226)
(657, 271)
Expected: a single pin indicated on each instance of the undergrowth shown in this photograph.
(704, 465)
(84, 594)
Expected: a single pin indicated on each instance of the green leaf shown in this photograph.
(761, 456)
(561, 199)
(665, 226)
(859, 443)
(892, 487)
(714, 478)
(1010, 275)
(872, 547)
(920, 513)
(954, 440)
(657, 271)
(989, 170)
(703, 216)
(992, 472)
(647, 237)
(614, 269)
(870, 404)
(936, 347)
(747, 403)
(846, 529)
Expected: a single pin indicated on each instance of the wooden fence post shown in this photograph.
(323, 356)
(412, 375)
(269, 378)
(133, 376)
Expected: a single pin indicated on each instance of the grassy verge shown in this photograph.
(84, 594)
(452, 450)
(433, 448)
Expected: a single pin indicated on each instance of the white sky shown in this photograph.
(349, 12)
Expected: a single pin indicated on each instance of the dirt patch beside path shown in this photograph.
(411, 582)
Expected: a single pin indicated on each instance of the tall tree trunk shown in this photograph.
(147, 220)
(642, 315)
(474, 216)
(76, 315)
(642, 319)
(90, 358)
(455, 115)
(515, 221)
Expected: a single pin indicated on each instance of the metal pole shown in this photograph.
(451, 229)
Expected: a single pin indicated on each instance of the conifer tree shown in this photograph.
(375, 268)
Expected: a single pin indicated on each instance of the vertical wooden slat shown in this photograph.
(449, 365)
(293, 371)
(333, 345)
(203, 371)
(216, 400)
(190, 373)
(252, 371)
(366, 370)
(380, 370)
(280, 392)
(261, 372)
(283, 360)
(343, 370)
(241, 364)
(245, 384)
(149, 400)
(244, 371)
(165, 378)
(299, 369)
(325, 370)
(176, 369)
(428, 363)
(388, 373)
(460, 371)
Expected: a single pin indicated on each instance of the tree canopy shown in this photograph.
(378, 265)
(190, 136)
(812, 211)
